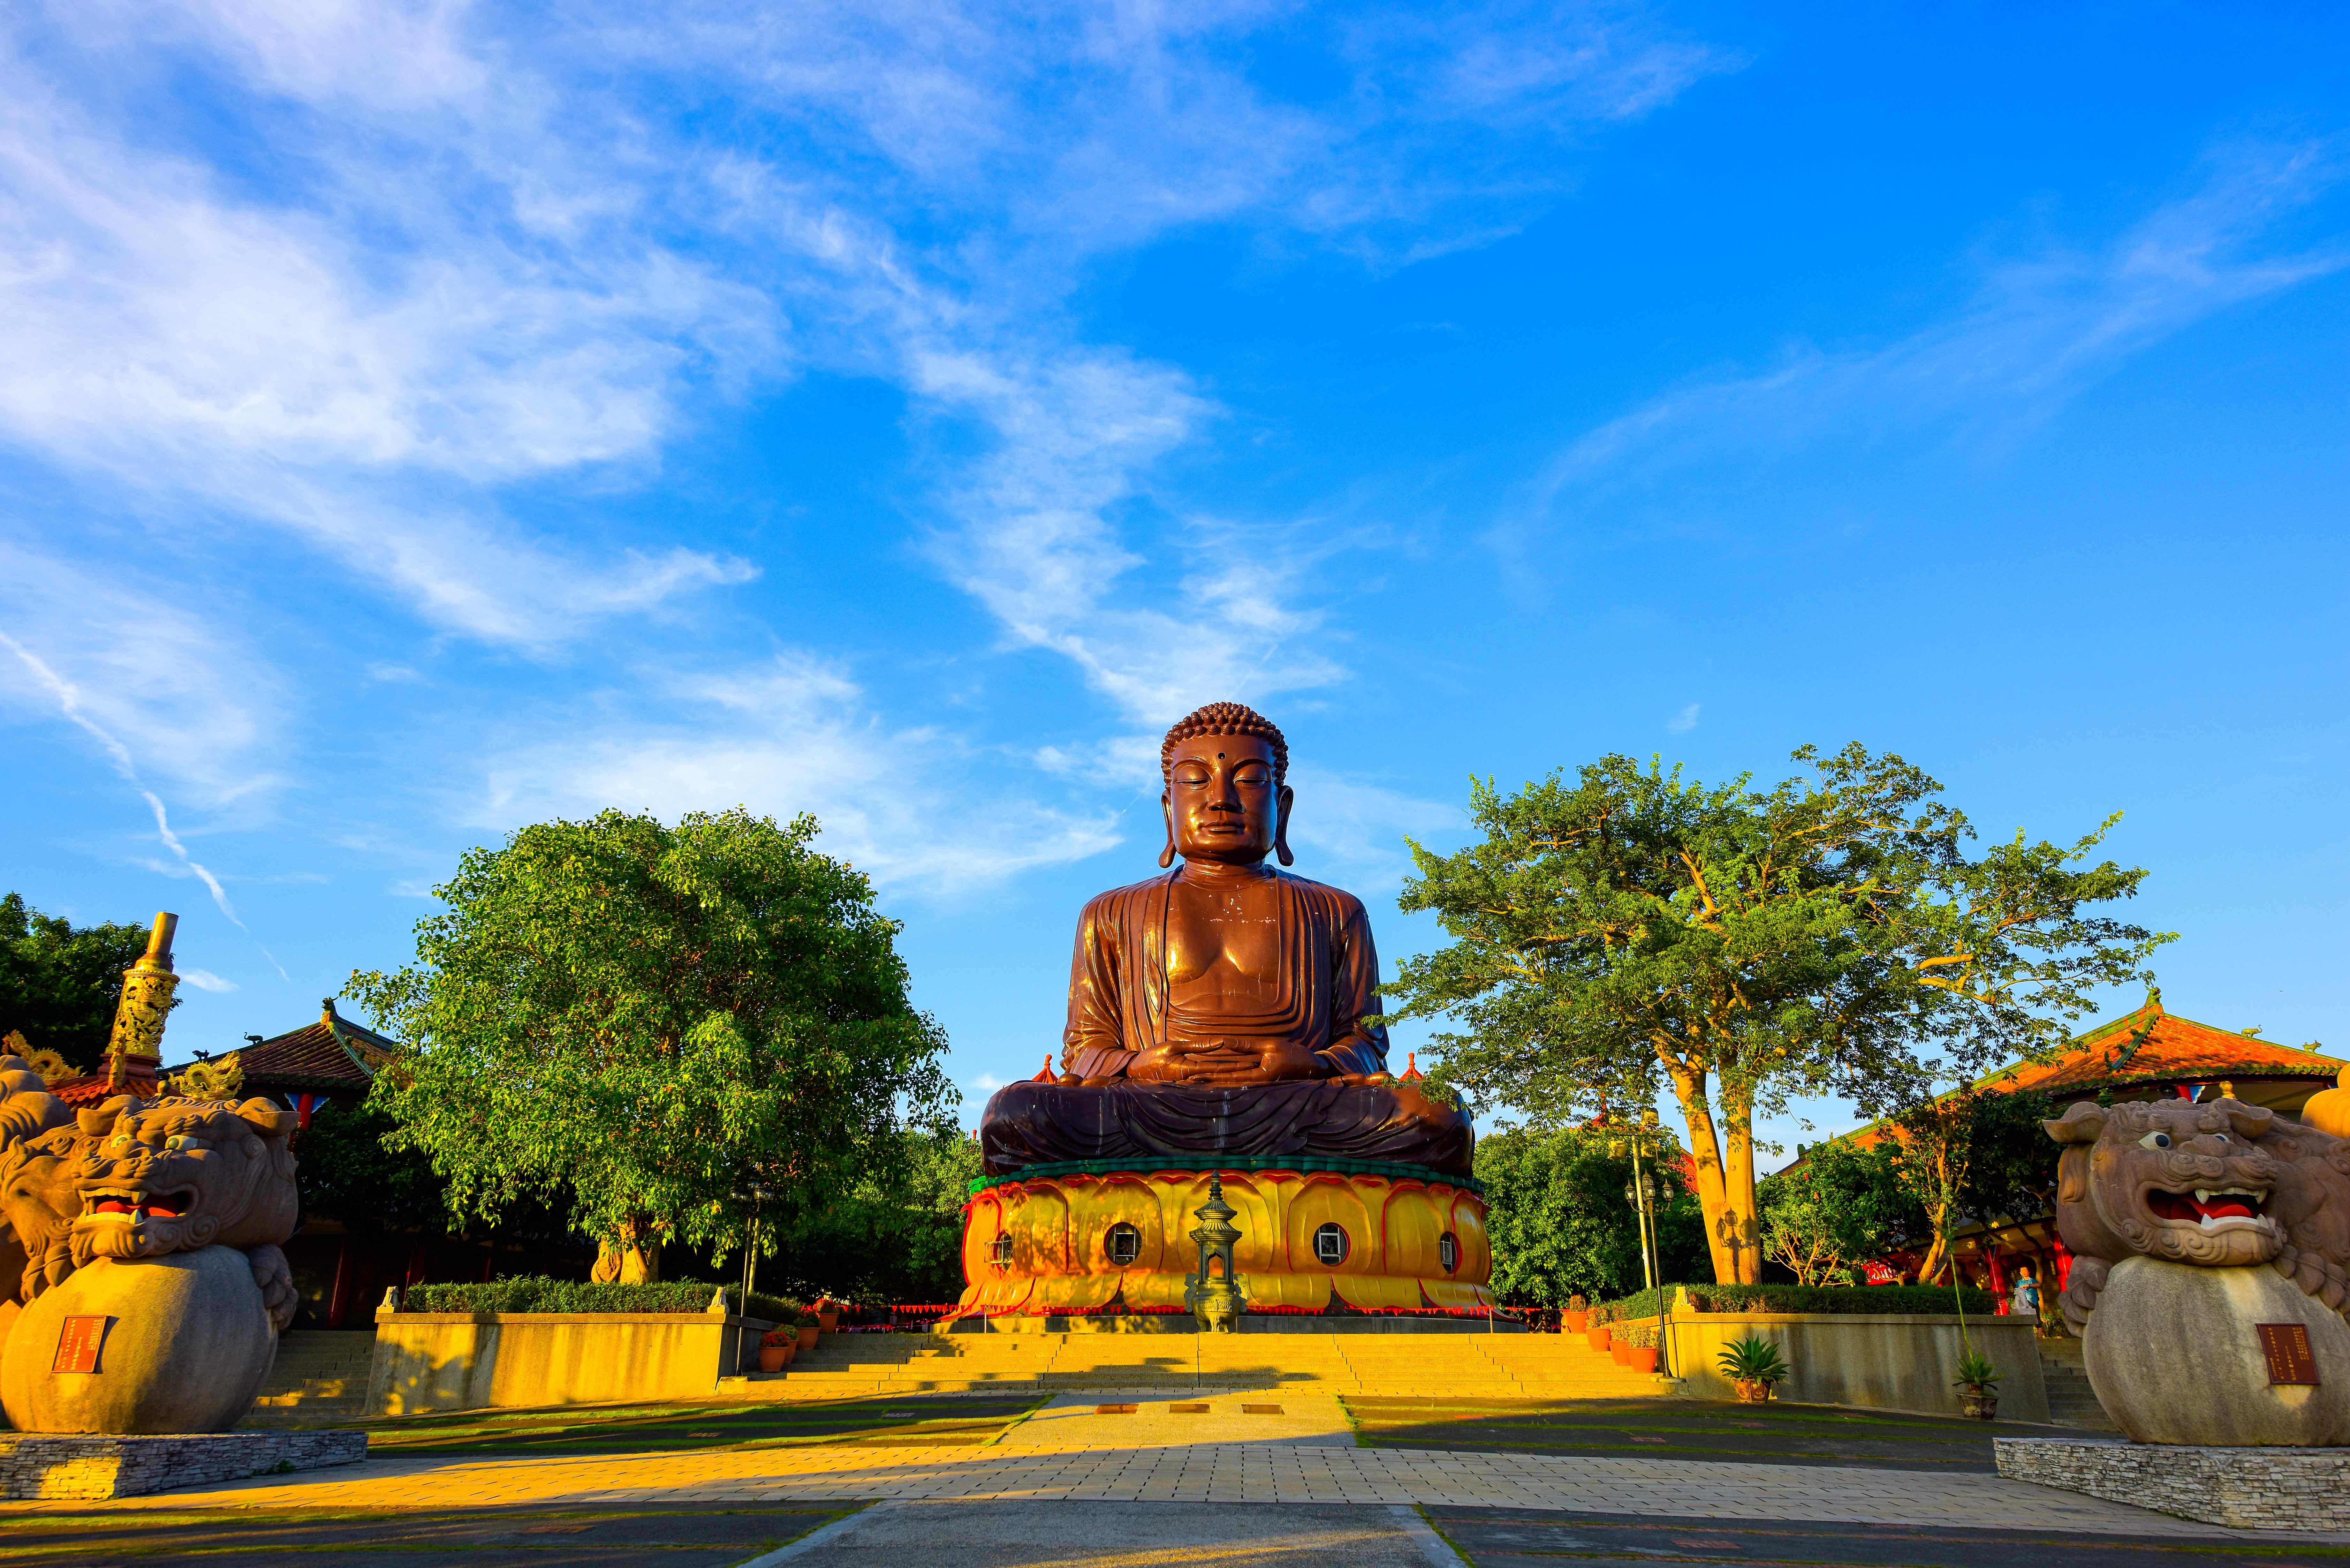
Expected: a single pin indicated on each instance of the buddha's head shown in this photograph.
(1226, 769)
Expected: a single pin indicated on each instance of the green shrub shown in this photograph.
(544, 1296)
(1753, 1360)
(1900, 1300)
(1977, 1372)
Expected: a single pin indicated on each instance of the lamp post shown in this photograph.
(1645, 1195)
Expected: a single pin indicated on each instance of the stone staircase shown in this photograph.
(320, 1375)
(2071, 1401)
(1381, 1366)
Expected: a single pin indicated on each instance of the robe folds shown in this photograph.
(1304, 1119)
(1326, 998)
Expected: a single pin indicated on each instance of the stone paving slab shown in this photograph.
(1288, 1417)
(1212, 1472)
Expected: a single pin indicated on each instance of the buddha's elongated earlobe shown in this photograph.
(1167, 856)
(1281, 828)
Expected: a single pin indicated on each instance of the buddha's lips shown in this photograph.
(2205, 1206)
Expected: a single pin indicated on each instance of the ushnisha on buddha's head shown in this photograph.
(1227, 799)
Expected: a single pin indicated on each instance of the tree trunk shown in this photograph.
(1705, 1161)
(1745, 1235)
(631, 1258)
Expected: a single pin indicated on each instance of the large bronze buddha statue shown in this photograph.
(1224, 1007)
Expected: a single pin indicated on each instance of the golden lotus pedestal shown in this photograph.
(1093, 1240)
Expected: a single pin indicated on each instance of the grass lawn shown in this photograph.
(904, 1420)
(1686, 1430)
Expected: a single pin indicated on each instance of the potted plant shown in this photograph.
(777, 1348)
(828, 1313)
(1977, 1386)
(1640, 1350)
(1577, 1312)
(1753, 1366)
(1596, 1332)
(808, 1326)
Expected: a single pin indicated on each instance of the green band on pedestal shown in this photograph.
(1387, 1169)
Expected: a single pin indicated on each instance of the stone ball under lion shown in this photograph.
(2174, 1353)
(186, 1345)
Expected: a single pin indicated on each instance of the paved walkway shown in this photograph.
(1273, 1472)
(1095, 1421)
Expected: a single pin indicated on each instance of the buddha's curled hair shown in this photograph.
(1225, 719)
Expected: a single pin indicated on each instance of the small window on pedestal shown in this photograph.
(1447, 1250)
(1124, 1244)
(1330, 1243)
(999, 1254)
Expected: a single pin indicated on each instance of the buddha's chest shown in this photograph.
(1219, 936)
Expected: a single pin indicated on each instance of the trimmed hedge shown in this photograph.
(1902, 1300)
(528, 1294)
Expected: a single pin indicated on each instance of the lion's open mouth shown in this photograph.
(2209, 1207)
(131, 1204)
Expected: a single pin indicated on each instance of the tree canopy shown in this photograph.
(896, 1237)
(642, 1023)
(1561, 1225)
(1830, 932)
(59, 983)
(1836, 1208)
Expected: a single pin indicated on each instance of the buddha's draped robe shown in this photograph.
(1325, 996)
(1326, 986)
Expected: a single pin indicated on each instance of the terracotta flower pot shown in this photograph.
(828, 1321)
(1641, 1358)
(1621, 1349)
(1753, 1391)
(1598, 1335)
(1572, 1322)
(774, 1357)
(1980, 1404)
(807, 1337)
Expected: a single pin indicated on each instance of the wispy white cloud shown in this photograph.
(1684, 721)
(1357, 830)
(2037, 331)
(72, 705)
(449, 253)
(796, 735)
(205, 980)
(133, 664)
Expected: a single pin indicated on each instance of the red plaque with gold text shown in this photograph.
(2290, 1358)
(78, 1344)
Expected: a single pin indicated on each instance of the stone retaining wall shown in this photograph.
(55, 1467)
(471, 1361)
(1878, 1362)
(2253, 1489)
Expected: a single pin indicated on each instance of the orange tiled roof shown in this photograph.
(334, 1053)
(90, 1088)
(2152, 1046)
(2146, 1046)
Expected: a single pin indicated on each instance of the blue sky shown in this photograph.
(423, 419)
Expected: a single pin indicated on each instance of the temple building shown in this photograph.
(333, 1059)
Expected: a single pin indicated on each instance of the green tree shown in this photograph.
(1829, 932)
(58, 985)
(350, 1168)
(1559, 1224)
(643, 1022)
(1977, 1154)
(898, 1236)
(1835, 1209)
